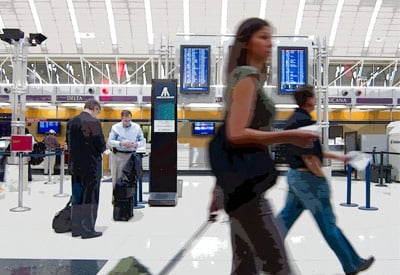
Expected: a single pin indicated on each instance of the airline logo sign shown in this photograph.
(165, 94)
(73, 98)
(339, 100)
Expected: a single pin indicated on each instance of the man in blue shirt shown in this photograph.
(309, 189)
(125, 138)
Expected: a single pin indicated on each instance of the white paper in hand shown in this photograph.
(313, 128)
(359, 160)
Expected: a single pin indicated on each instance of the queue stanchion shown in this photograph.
(61, 194)
(137, 199)
(49, 165)
(381, 184)
(20, 207)
(348, 202)
(368, 190)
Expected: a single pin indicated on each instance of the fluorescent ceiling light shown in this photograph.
(372, 22)
(72, 104)
(1, 25)
(186, 21)
(286, 106)
(38, 104)
(120, 105)
(111, 22)
(224, 15)
(4, 104)
(35, 16)
(74, 23)
(263, 6)
(299, 18)
(149, 22)
(204, 105)
(338, 106)
(372, 107)
(335, 24)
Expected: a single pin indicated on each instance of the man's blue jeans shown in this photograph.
(306, 191)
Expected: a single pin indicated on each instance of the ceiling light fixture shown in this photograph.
(186, 21)
(335, 23)
(224, 16)
(1, 23)
(263, 6)
(111, 23)
(35, 16)
(74, 23)
(149, 22)
(372, 22)
(299, 18)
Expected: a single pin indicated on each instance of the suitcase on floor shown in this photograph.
(123, 209)
(123, 199)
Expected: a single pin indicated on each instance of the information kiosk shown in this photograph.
(163, 158)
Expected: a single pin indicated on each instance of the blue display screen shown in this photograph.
(45, 126)
(292, 68)
(195, 69)
(203, 128)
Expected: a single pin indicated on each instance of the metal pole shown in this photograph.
(20, 208)
(61, 194)
(381, 173)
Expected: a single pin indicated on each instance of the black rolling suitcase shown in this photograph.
(123, 200)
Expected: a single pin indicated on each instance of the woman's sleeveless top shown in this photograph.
(264, 110)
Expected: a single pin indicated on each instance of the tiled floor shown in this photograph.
(156, 234)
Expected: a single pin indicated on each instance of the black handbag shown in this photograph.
(62, 219)
(236, 167)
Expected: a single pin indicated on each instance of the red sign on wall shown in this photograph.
(21, 143)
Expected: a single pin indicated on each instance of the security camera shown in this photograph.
(91, 91)
(345, 93)
(7, 90)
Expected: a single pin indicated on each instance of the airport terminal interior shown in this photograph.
(165, 61)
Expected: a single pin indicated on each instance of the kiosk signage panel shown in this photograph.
(163, 160)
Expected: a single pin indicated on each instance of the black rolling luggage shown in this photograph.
(123, 200)
(125, 188)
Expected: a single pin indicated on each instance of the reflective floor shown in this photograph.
(155, 235)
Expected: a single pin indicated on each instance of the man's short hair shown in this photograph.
(126, 113)
(91, 104)
(302, 93)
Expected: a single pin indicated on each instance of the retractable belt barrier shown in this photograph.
(21, 155)
(367, 190)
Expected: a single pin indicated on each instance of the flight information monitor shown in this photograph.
(203, 128)
(195, 69)
(292, 68)
(45, 126)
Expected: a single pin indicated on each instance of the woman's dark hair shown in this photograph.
(238, 53)
(302, 93)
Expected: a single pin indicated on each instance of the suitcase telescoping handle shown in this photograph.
(178, 256)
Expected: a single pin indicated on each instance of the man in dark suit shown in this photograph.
(86, 143)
